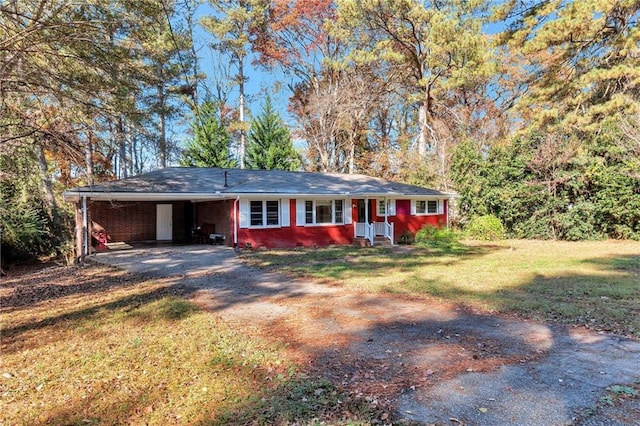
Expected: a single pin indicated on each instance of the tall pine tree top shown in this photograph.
(270, 145)
(210, 144)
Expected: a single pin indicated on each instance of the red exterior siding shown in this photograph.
(403, 221)
(294, 235)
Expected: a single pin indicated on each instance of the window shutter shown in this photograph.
(284, 212)
(244, 213)
(413, 207)
(300, 212)
(347, 212)
(440, 206)
(392, 208)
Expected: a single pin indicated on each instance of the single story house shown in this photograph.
(255, 208)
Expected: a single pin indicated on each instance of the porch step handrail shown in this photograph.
(369, 231)
(388, 231)
(379, 229)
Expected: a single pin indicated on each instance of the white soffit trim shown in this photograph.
(137, 196)
(74, 196)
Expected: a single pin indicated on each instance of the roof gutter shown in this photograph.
(75, 196)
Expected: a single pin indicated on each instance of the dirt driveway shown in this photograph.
(434, 363)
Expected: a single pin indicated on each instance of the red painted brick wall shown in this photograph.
(403, 221)
(295, 236)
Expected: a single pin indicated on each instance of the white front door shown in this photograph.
(164, 222)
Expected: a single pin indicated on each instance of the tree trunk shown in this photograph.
(49, 196)
(122, 147)
(352, 154)
(88, 159)
(162, 142)
(424, 126)
(242, 132)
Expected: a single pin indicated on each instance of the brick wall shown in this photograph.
(217, 213)
(136, 221)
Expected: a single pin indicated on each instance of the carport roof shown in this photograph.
(216, 183)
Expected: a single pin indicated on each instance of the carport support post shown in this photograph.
(79, 232)
(235, 221)
(85, 228)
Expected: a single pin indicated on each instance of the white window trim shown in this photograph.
(345, 206)
(264, 215)
(390, 207)
(439, 207)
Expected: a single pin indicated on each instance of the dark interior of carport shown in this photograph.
(136, 221)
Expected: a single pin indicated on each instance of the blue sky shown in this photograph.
(259, 82)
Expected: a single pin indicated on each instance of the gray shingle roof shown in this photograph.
(195, 180)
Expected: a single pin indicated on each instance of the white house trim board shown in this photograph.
(285, 219)
(244, 213)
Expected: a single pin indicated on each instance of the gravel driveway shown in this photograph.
(434, 363)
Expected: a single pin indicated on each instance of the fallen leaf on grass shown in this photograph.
(483, 410)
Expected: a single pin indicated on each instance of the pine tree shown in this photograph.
(270, 145)
(210, 144)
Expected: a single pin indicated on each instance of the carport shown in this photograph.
(135, 218)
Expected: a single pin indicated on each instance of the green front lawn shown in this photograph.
(96, 346)
(591, 283)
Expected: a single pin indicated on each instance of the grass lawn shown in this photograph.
(592, 283)
(93, 345)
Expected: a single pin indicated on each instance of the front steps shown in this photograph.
(378, 241)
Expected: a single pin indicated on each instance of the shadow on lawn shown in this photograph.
(53, 283)
(375, 262)
(417, 358)
(13, 337)
(628, 263)
(414, 355)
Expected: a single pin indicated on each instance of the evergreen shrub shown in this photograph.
(487, 227)
(432, 234)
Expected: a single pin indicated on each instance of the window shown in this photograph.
(323, 212)
(308, 212)
(256, 213)
(338, 209)
(264, 213)
(386, 209)
(382, 208)
(427, 206)
(272, 213)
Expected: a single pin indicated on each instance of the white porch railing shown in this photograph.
(388, 231)
(370, 231)
(364, 230)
